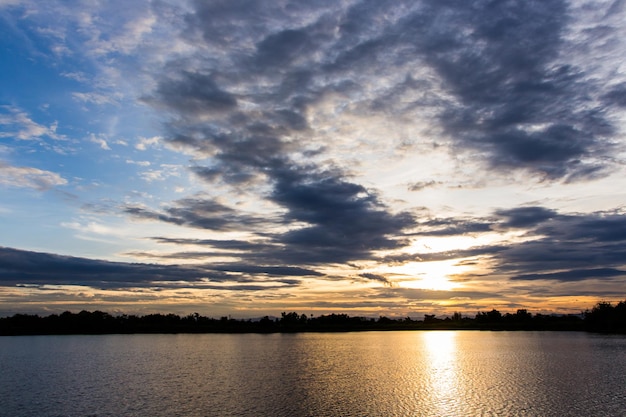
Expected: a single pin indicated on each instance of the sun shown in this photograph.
(436, 275)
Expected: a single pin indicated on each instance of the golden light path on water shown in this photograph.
(441, 351)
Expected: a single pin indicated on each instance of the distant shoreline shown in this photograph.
(602, 318)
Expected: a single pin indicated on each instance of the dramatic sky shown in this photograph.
(248, 157)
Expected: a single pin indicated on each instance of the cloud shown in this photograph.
(97, 98)
(454, 226)
(490, 73)
(26, 267)
(376, 277)
(193, 94)
(523, 217)
(574, 275)
(144, 143)
(164, 171)
(418, 186)
(290, 113)
(28, 177)
(198, 212)
(99, 140)
(555, 246)
(616, 95)
(19, 125)
(6, 3)
(345, 221)
(516, 102)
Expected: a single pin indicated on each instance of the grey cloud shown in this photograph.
(581, 245)
(420, 294)
(198, 212)
(346, 221)
(494, 83)
(375, 277)
(523, 217)
(222, 244)
(278, 49)
(518, 105)
(478, 251)
(337, 220)
(19, 267)
(454, 226)
(601, 227)
(418, 186)
(559, 247)
(573, 275)
(616, 95)
(343, 220)
(267, 270)
(193, 93)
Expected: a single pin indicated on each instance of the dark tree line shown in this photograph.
(603, 317)
(607, 318)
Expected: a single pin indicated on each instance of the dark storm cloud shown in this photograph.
(17, 266)
(574, 275)
(266, 270)
(524, 217)
(515, 101)
(617, 95)
(193, 93)
(279, 49)
(512, 99)
(197, 212)
(453, 226)
(557, 247)
(494, 82)
(340, 220)
(346, 220)
(26, 267)
(222, 244)
(571, 243)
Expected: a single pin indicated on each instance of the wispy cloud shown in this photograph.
(18, 124)
(28, 177)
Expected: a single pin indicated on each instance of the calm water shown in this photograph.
(347, 374)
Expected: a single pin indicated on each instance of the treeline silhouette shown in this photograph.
(603, 317)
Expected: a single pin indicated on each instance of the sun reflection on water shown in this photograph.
(441, 351)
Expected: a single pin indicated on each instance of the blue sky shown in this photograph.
(368, 157)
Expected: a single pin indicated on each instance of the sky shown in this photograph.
(248, 157)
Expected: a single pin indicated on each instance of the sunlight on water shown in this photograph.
(441, 362)
(436, 373)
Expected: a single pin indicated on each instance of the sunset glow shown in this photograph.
(244, 157)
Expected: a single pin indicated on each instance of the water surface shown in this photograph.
(428, 373)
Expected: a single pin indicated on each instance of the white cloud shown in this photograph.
(97, 98)
(140, 163)
(81, 77)
(5, 3)
(28, 177)
(167, 170)
(99, 140)
(19, 125)
(129, 38)
(144, 143)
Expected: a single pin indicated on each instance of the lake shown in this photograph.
(411, 373)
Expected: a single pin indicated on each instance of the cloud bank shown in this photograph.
(317, 143)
